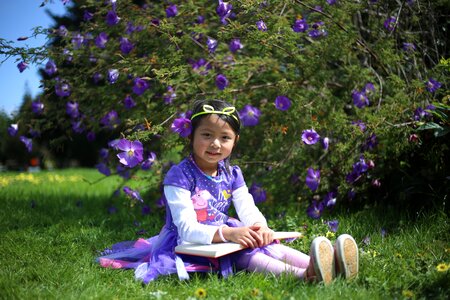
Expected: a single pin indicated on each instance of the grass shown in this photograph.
(53, 224)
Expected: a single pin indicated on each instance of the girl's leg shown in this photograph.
(293, 257)
(260, 262)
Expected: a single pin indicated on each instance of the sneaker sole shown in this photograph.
(323, 255)
(347, 256)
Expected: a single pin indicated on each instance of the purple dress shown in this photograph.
(156, 256)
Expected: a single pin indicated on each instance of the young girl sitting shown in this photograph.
(199, 191)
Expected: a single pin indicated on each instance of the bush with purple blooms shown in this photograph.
(330, 93)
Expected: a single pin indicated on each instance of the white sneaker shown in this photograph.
(322, 259)
(347, 257)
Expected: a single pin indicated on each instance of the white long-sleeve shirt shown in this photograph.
(185, 217)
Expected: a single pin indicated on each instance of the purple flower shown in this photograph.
(113, 144)
(223, 9)
(140, 86)
(333, 225)
(261, 25)
(170, 95)
(221, 82)
(171, 11)
(315, 210)
(37, 107)
(113, 75)
(212, 44)
(103, 168)
(376, 183)
(433, 85)
(258, 193)
(360, 124)
(103, 153)
(90, 136)
(408, 47)
(312, 179)
(132, 194)
(359, 168)
(330, 199)
(132, 154)
(146, 210)
(371, 142)
(325, 143)
(13, 129)
(331, 2)
(282, 103)
(77, 40)
(87, 16)
(182, 126)
(147, 164)
(310, 136)
(112, 18)
(62, 31)
(22, 66)
(249, 115)
(390, 23)
(77, 126)
(62, 89)
(68, 55)
(28, 142)
(201, 66)
(317, 30)
(125, 45)
(128, 102)
(112, 210)
(366, 240)
(97, 77)
(72, 109)
(50, 67)
(360, 99)
(101, 40)
(235, 45)
(110, 120)
(300, 25)
(369, 88)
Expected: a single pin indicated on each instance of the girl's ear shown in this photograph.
(237, 139)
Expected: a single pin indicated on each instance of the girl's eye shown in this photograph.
(227, 138)
(205, 134)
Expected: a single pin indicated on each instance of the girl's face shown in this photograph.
(213, 141)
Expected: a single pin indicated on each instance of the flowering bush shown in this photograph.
(348, 74)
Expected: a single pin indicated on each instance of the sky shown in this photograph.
(18, 18)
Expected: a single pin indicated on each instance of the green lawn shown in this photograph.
(53, 224)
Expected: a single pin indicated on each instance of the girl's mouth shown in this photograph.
(213, 154)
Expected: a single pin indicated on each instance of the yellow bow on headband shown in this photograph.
(208, 109)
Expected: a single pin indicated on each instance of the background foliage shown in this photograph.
(363, 74)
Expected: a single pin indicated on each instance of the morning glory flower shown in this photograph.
(325, 143)
(170, 95)
(77, 40)
(37, 107)
(87, 16)
(258, 193)
(22, 66)
(389, 23)
(113, 144)
(103, 168)
(221, 82)
(331, 2)
(235, 45)
(223, 9)
(132, 152)
(408, 47)
(50, 67)
(249, 115)
(132, 194)
(13, 129)
(113, 75)
(330, 199)
(360, 99)
(90, 136)
(128, 102)
(62, 89)
(62, 31)
(261, 25)
(433, 85)
(300, 25)
(72, 109)
(315, 210)
(312, 179)
(369, 88)
(371, 142)
(28, 143)
(317, 30)
(310, 136)
(110, 120)
(147, 164)
(101, 40)
(282, 103)
(212, 44)
(333, 225)
(125, 45)
(182, 126)
(140, 86)
(103, 153)
(360, 125)
(77, 126)
(171, 11)
(112, 18)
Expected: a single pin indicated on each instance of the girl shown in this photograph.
(199, 191)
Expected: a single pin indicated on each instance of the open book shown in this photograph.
(220, 249)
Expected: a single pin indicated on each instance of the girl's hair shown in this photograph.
(218, 105)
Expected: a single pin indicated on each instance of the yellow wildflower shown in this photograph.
(398, 255)
(442, 267)
(255, 292)
(200, 293)
(330, 235)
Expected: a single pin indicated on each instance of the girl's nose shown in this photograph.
(215, 143)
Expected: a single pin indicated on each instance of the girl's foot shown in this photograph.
(321, 265)
(347, 261)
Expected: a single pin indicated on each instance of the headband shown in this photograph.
(208, 109)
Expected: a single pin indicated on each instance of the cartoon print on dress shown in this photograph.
(205, 206)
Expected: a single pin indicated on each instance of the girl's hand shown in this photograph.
(246, 236)
(265, 233)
